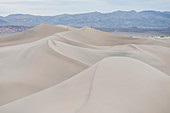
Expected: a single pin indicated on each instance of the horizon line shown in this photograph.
(83, 13)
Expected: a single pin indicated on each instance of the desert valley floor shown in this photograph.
(60, 69)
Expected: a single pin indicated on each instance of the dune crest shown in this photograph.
(50, 69)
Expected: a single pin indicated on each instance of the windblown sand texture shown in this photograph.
(60, 69)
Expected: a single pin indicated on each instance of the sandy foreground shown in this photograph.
(60, 69)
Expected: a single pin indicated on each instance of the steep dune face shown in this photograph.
(64, 69)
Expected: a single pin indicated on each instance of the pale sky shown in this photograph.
(55, 7)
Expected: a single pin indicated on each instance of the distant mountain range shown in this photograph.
(117, 19)
(13, 29)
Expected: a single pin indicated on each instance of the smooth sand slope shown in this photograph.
(61, 69)
(102, 88)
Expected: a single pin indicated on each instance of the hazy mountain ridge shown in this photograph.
(115, 19)
(2, 22)
(13, 29)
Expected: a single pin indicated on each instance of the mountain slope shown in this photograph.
(115, 19)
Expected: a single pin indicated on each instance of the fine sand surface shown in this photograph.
(60, 69)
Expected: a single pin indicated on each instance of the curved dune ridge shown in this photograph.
(61, 69)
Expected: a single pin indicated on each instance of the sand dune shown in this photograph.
(51, 69)
(34, 34)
